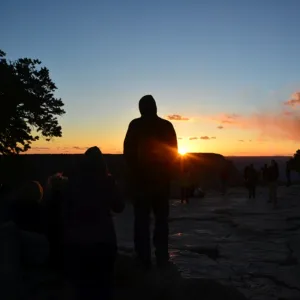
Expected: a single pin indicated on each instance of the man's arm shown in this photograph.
(172, 142)
(130, 145)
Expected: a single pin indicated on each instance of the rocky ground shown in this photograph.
(222, 248)
(235, 241)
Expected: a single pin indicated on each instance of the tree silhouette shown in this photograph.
(28, 108)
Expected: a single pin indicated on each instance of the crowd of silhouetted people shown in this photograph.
(74, 215)
(268, 176)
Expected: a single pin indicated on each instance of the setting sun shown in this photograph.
(182, 151)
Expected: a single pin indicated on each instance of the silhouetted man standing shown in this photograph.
(150, 150)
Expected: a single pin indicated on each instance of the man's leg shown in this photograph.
(161, 230)
(142, 209)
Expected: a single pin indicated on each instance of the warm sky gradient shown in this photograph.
(227, 72)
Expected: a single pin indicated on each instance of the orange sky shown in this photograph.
(230, 140)
(262, 132)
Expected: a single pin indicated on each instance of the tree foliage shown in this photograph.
(28, 108)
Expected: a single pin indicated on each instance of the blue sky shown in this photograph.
(198, 58)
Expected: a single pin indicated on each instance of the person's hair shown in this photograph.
(93, 162)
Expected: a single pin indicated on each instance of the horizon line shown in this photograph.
(230, 155)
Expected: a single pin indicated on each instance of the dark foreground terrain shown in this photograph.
(221, 247)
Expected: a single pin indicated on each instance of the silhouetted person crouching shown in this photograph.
(150, 150)
(53, 218)
(89, 233)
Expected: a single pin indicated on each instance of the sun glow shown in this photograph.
(182, 151)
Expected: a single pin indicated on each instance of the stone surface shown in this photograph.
(235, 241)
(133, 283)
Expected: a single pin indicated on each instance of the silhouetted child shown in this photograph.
(27, 207)
(27, 215)
(89, 234)
(53, 217)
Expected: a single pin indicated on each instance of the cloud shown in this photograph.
(177, 118)
(294, 101)
(80, 148)
(288, 113)
(225, 119)
(229, 118)
(273, 122)
(193, 138)
(40, 148)
(261, 140)
(241, 140)
(232, 116)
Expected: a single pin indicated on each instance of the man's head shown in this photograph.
(147, 106)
